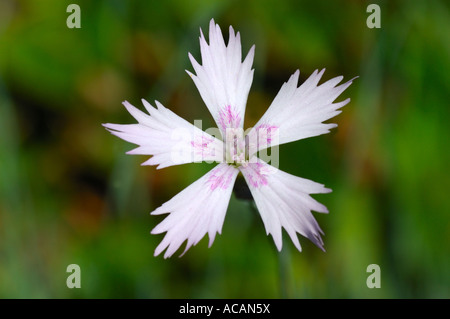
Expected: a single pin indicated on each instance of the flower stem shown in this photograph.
(283, 271)
(283, 264)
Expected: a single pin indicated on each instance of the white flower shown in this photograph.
(224, 81)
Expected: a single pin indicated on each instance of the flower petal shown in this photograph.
(223, 80)
(283, 201)
(298, 112)
(170, 139)
(198, 209)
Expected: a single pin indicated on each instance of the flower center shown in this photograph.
(235, 147)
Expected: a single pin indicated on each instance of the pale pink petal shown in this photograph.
(198, 209)
(223, 80)
(283, 201)
(170, 139)
(299, 112)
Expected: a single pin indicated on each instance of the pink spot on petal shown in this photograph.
(266, 133)
(255, 174)
(229, 118)
(221, 177)
(201, 146)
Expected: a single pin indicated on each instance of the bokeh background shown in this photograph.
(69, 194)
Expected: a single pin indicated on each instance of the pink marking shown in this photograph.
(221, 177)
(255, 175)
(265, 133)
(229, 118)
(201, 145)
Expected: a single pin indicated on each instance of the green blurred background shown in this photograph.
(69, 194)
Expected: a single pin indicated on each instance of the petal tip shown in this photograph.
(126, 104)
